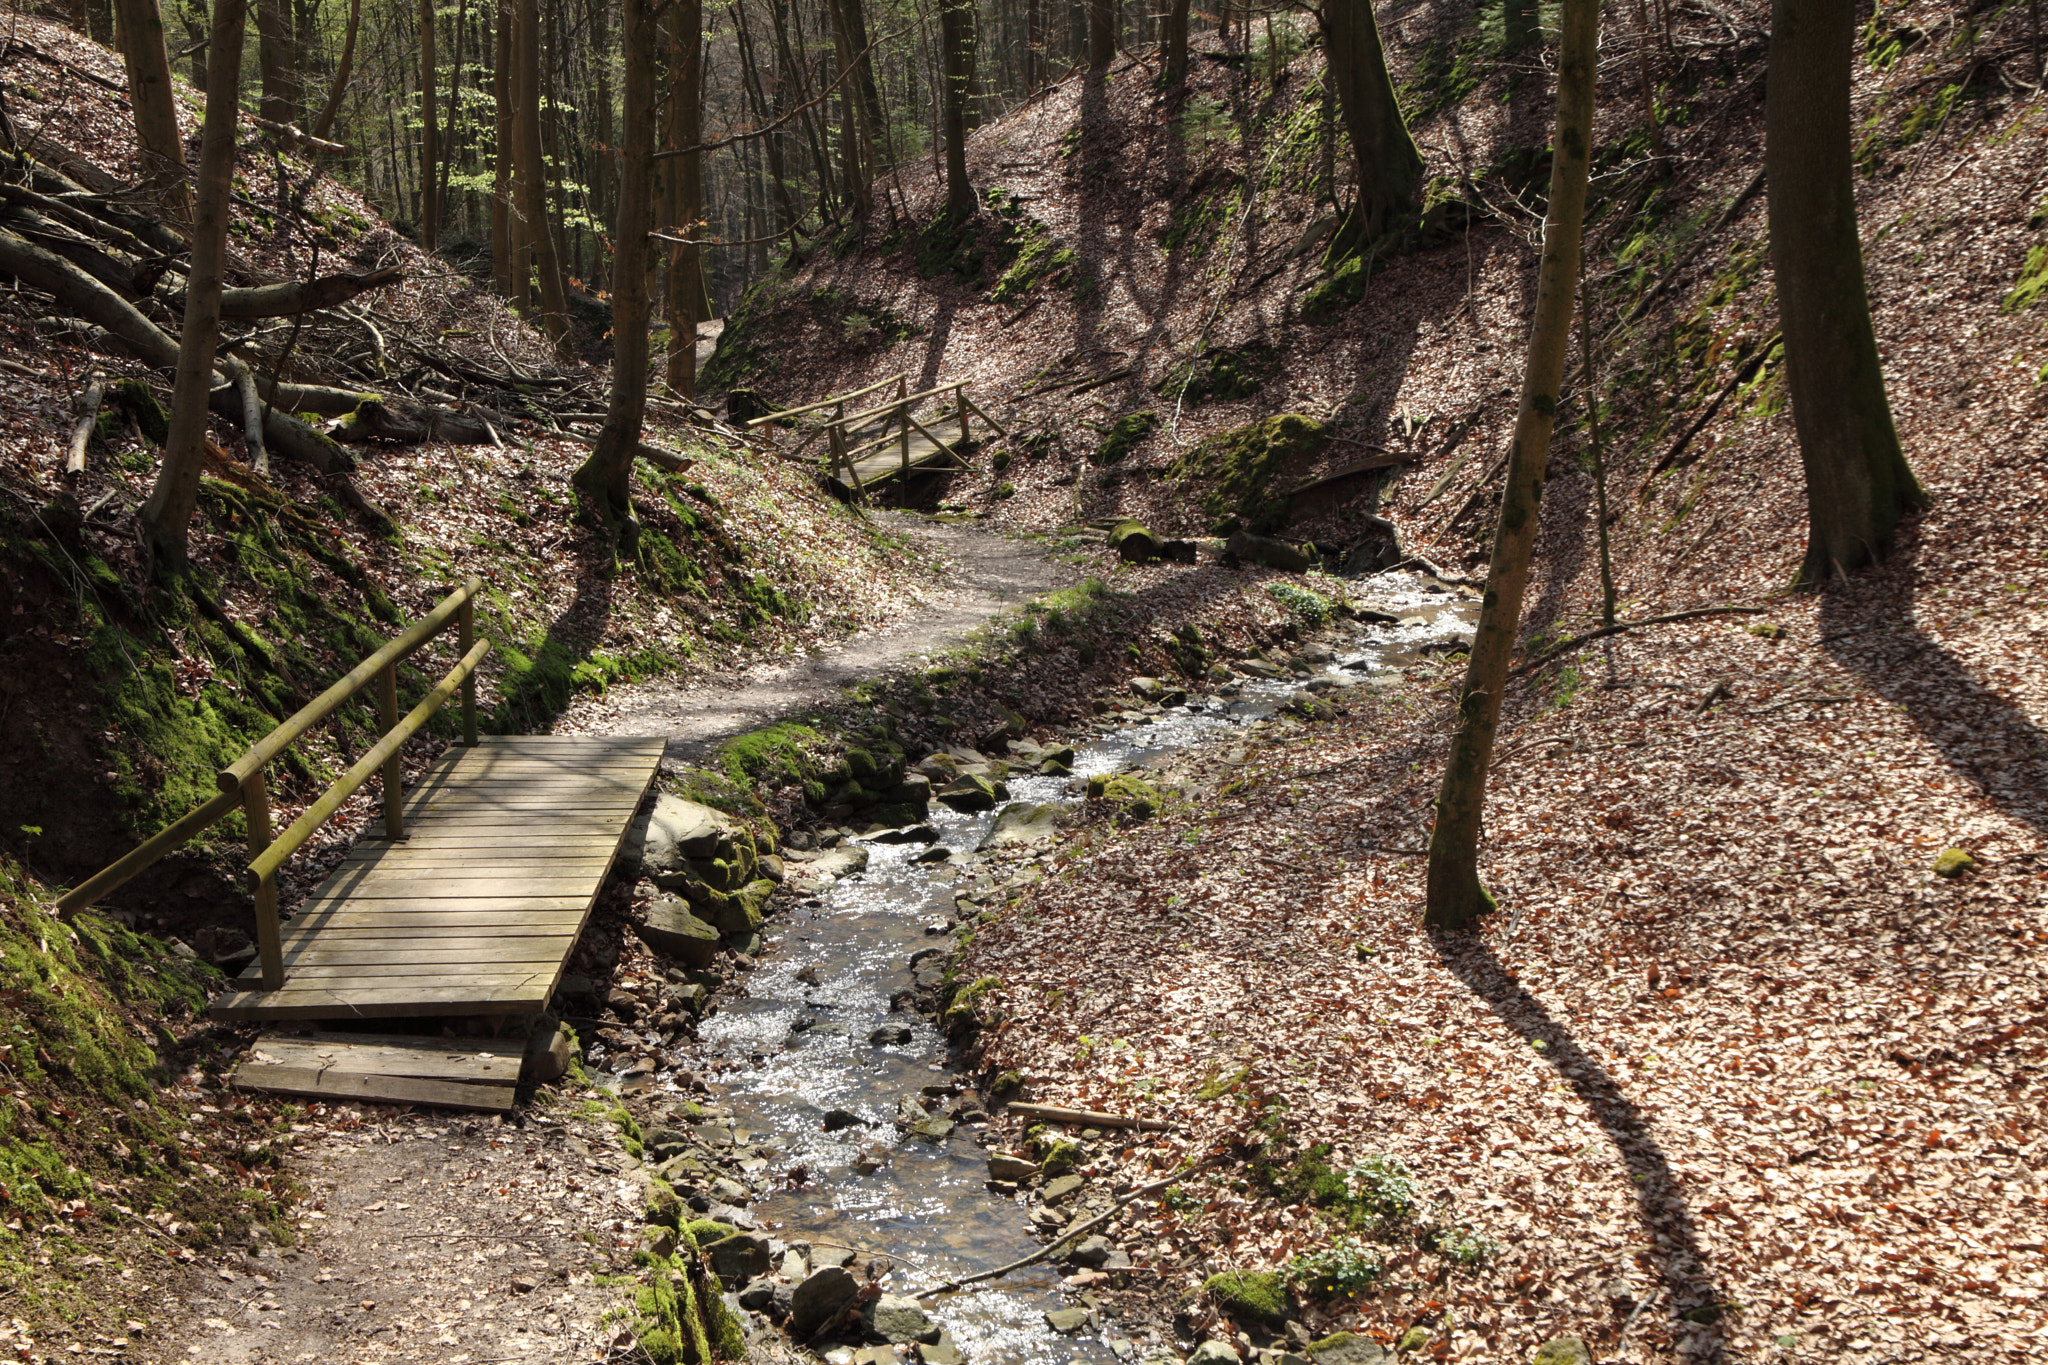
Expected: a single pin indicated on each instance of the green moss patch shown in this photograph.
(1237, 470)
(1125, 434)
(1254, 1296)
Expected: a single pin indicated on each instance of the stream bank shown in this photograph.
(801, 1068)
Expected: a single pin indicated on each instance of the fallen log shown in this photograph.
(295, 296)
(409, 424)
(290, 137)
(88, 418)
(1052, 1113)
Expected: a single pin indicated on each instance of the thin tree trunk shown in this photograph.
(771, 145)
(603, 179)
(686, 199)
(529, 174)
(1383, 153)
(1455, 895)
(604, 481)
(503, 253)
(167, 515)
(430, 134)
(1518, 24)
(324, 123)
(448, 138)
(1858, 486)
(960, 198)
(140, 29)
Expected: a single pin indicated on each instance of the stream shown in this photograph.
(795, 1043)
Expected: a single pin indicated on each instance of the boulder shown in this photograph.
(1062, 1188)
(1563, 1351)
(1953, 862)
(740, 913)
(670, 928)
(1260, 668)
(758, 1294)
(549, 1050)
(1020, 824)
(1004, 1166)
(894, 1317)
(1067, 1321)
(890, 1035)
(1347, 1348)
(820, 1299)
(1214, 1353)
(934, 1131)
(1274, 554)
(837, 863)
(908, 834)
(837, 1119)
(1151, 689)
(1092, 1252)
(663, 840)
(741, 1257)
(1133, 543)
(966, 793)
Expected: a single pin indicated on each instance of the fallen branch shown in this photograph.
(1054, 1114)
(88, 417)
(289, 137)
(1742, 376)
(1070, 1235)
(1575, 641)
(299, 296)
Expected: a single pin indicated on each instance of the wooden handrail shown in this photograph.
(313, 712)
(263, 867)
(827, 402)
(242, 783)
(894, 403)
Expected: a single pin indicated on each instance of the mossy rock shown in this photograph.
(1347, 1348)
(1124, 435)
(703, 1232)
(1060, 1158)
(1953, 862)
(1222, 373)
(1250, 1296)
(1562, 1351)
(1139, 799)
(1133, 543)
(1238, 468)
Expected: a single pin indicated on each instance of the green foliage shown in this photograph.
(1203, 124)
(1446, 71)
(1239, 468)
(1039, 257)
(1383, 1190)
(777, 756)
(1198, 219)
(1310, 608)
(1343, 1269)
(2033, 281)
(1124, 435)
(1461, 1246)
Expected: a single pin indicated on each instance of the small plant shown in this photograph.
(1311, 608)
(1384, 1190)
(1568, 684)
(1462, 1246)
(1004, 490)
(1343, 1269)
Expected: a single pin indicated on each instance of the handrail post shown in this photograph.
(269, 937)
(465, 635)
(903, 422)
(394, 772)
(960, 401)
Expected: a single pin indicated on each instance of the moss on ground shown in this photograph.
(1125, 434)
(1257, 1296)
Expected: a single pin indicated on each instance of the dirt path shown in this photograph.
(448, 1238)
(456, 1238)
(990, 575)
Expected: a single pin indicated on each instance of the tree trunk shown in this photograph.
(502, 252)
(276, 63)
(1382, 151)
(686, 177)
(167, 515)
(960, 198)
(430, 134)
(529, 174)
(141, 33)
(604, 481)
(1517, 24)
(324, 123)
(1174, 40)
(1858, 485)
(1455, 895)
(1101, 34)
(449, 143)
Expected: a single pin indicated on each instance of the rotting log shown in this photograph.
(1052, 1113)
(88, 418)
(298, 296)
(375, 419)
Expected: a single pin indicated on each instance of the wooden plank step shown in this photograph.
(475, 1074)
(378, 999)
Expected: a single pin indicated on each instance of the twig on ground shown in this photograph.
(1569, 645)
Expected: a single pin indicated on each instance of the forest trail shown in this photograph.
(991, 574)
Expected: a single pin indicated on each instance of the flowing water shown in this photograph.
(794, 1050)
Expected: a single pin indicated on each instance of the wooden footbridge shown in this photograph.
(886, 440)
(469, 903)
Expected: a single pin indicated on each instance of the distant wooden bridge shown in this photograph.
(887, 440)
(469, 904)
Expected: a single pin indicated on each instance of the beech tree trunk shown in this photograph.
(529, 172)
(502, 251)
(1382, 151)
(1858, 485)
(604, 481)
(430, 134)
(1455, 895)
(167, 514)
(1174, 42)
(140, 28)
(1101, 34)
(276, 63)
(953, 42)
(323, 124)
